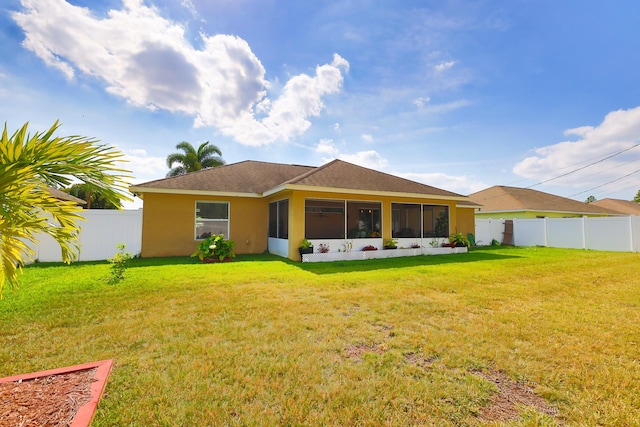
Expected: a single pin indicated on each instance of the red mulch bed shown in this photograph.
(51, 400)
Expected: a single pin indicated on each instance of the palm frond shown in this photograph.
(31, 163)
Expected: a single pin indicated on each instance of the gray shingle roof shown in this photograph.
(260, 177)
(503, 198)
(243, 177)
(621, 206)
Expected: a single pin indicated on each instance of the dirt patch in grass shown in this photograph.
(51, 400)
(419, 360)
(356, 351)
(505, 403)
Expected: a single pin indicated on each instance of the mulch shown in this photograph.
(46, 401)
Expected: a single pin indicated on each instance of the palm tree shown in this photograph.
(29, 165)
(193, 160)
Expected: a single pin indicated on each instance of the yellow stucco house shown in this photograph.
(270, 206)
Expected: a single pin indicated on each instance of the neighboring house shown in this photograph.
(61, 195)
(270, 206)
(621, 206)
(512, 202)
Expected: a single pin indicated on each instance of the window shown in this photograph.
(435, 221)
(212, 218)
(279, 219)
(324, 219)
(363, 220)
(405, 220)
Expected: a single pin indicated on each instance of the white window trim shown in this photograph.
(195, 217)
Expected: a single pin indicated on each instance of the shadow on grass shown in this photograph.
(475, 255)
(401, 262)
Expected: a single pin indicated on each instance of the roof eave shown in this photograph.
(545, 210)
(318, 189)
(142, 190)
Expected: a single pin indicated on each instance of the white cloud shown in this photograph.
(461, 184)
(421, 101)
(369, 159)
(366, 137)
(619, 130)
(143, 166)
(188, 4)
(444, 66)
(326, 146)
(147, 60)
(441, 108)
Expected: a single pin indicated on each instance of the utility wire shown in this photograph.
(584, 167)
(606, 183)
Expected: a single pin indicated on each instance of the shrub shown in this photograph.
(390, 243)
(215, 247)
(322, 248)
(305, 244)
(118, 264)
(459, 239)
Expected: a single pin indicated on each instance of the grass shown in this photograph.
(264, 341)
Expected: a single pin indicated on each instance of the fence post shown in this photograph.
(546, 231)
(584, 232)
(631, 233)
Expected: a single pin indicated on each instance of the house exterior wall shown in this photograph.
(169, 221)
(465, 221)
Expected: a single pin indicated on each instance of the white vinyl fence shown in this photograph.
(102, 231)
(621, 234)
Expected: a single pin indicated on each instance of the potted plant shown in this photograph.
(390, 243)
(306, 247)
(215, 249)
(323, 249)
(459, 240)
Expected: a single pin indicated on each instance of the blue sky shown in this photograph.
(461, 95)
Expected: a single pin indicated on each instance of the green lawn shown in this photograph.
(407, 341)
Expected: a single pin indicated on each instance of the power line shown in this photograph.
(566, 167)
(606, 183)
(584, 167)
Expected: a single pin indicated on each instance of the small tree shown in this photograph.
(119, 264)
(591, 199)
(28, 166)
(637, 198)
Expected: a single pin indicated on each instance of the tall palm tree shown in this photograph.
(29, 165)
(192, 160)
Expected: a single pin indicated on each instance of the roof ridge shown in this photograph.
(308, 173)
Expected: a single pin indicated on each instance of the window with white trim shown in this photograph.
(211, 218)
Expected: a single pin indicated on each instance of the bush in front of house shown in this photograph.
(215, 247)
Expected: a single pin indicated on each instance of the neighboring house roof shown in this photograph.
(263, 178)
(501, 198)
(620, 206)
(61, 195)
